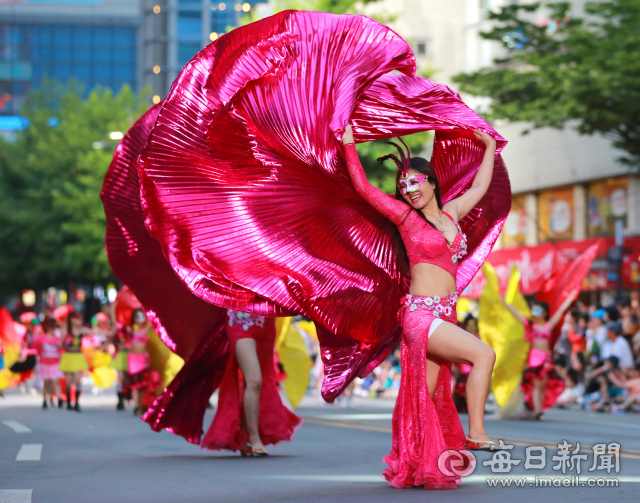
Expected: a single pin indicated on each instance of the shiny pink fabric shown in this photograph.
(422, 427)
(423, 243)
(181, 319)
(192, 328)
(277, 423)
(244, 181)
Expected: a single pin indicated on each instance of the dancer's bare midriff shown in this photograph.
(428, 280)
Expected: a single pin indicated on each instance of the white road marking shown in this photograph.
(15, 495)
(357, 417)
(17, 427)
(29, 452)
(471, 479)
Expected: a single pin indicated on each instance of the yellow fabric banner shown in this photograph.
(503, 332)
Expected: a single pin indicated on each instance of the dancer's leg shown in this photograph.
(539, 388)
(247, 356)
(433, 370)
(449, 342)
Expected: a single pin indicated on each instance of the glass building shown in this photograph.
(173, 31)
(93, 55)
(92, 41)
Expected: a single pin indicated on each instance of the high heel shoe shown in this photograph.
(249, 450)
(481, 445)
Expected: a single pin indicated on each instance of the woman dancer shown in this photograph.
(431, 340)
(250, 412)
(540, 383)
(138, 358)
(73, 362)
(48, 347)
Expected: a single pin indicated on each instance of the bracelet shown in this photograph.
(352, 143)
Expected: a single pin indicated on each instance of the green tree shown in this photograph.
(51, 218)
(581, 69)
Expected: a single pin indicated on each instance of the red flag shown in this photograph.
(564, 282)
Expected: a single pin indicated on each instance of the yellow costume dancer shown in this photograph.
(294, 356)
(505, 334)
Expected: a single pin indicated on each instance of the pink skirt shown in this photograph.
(276, 422)
(423, 427)
(50, 371)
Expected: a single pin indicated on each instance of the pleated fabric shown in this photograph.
(189, 326)
(181, 319)
(244, 182)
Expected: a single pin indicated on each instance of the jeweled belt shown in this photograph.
(436, 304)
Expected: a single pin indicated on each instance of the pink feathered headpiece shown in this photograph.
(403, 161)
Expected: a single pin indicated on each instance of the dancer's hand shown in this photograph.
(487, 140)
(347, 137)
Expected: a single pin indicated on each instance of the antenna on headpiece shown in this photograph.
(403, 161)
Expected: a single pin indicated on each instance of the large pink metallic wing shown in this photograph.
(180, 318)
(192, 328)
(244, 182)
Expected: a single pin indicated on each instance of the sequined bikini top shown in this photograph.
(424, 244)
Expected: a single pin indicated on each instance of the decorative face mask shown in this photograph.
(411, 183)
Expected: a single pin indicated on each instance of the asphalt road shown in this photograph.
(101, 455)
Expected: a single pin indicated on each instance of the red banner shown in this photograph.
(538, 263)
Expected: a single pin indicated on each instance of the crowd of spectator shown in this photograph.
(597, 355)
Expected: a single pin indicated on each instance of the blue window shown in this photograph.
(62, 54)
(103, 37)
(124, 56)
(102, 55)
(62, 72)
(82, 54)
(82, 72)
(62, 36)
(102, 74)
(123, 73)
(186, 52)
(82, 37)
(189, 23)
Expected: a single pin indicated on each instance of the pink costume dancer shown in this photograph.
(422, 427)
(539, 366)
(245, 185)
(276, 423)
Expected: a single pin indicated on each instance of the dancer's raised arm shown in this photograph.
(391, 208)
(460, 206)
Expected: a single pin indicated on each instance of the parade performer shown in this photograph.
(244, 183)
(250, 412)
(431, 340)
(73, 362)
(48, 347)
(540, 383)
(138, 358)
